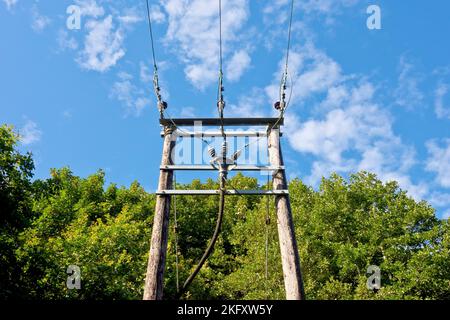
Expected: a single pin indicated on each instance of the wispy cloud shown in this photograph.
(187, 112)
(104, 41)
(145, 73)
(440, 199)
(352, 132)
(156, 14)
(103, 45)
(193, 31)
(251, 104)
(39, 21)
(408, 93)
(90, 8)
(439, 161)
(446, 215)
(130, 95)
(66, 42)
(238, 64)
(442, 111)
(30, 133)
(10, 3)
(310, 72)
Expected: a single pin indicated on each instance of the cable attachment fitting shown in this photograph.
(162, 105)
(156, 86)
(220, 103)
(280, 106)
(221, 106)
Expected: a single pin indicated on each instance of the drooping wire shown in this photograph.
(151, 35)
(175, 229)
(267, 223)
(167, 116)
(161, 104)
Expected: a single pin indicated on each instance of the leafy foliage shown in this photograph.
(341, 229)
(15, 210)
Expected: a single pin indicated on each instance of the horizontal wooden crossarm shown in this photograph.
(190, 122)
(212, 134)
(216, 192)
(208, 167)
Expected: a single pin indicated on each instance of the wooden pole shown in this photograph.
(153, 289)
(288, 245)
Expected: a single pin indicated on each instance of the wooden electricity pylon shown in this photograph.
(153, 289)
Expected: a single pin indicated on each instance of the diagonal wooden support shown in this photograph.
(153, 289)
(288, 245)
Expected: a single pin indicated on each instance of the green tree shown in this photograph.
(342, 228)
(104, 232)
(15, 210)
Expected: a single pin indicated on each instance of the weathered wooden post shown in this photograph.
(290, 260)
(153, 289)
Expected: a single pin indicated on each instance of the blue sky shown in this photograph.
(376, 100)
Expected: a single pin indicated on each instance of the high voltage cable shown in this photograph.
(151, 35)
(288, 49)
(161, 104)
(289, 35)
(221, 102)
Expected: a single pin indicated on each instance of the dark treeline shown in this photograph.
(342, 229)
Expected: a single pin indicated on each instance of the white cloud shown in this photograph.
(348, 131)
(39, 21)
(446, 215)
(90, 8)
(145, 74)
(129, 19)
(132, 98)
(408, 93)
(193, 32)
(238, 64)
(252, 104)
(67, 114)
(355, 138)
(341, 130)
(439, 199)
(130, 16)
(10, 3)
(156, 14)
(326, 10)
(439, 161)
(103, 46)
(311, 72)
(187, 112)
(328, 7)
(104, 42)
(442, 111)
(65, 41)
(30, 133)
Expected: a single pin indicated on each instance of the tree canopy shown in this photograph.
(342, 228)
